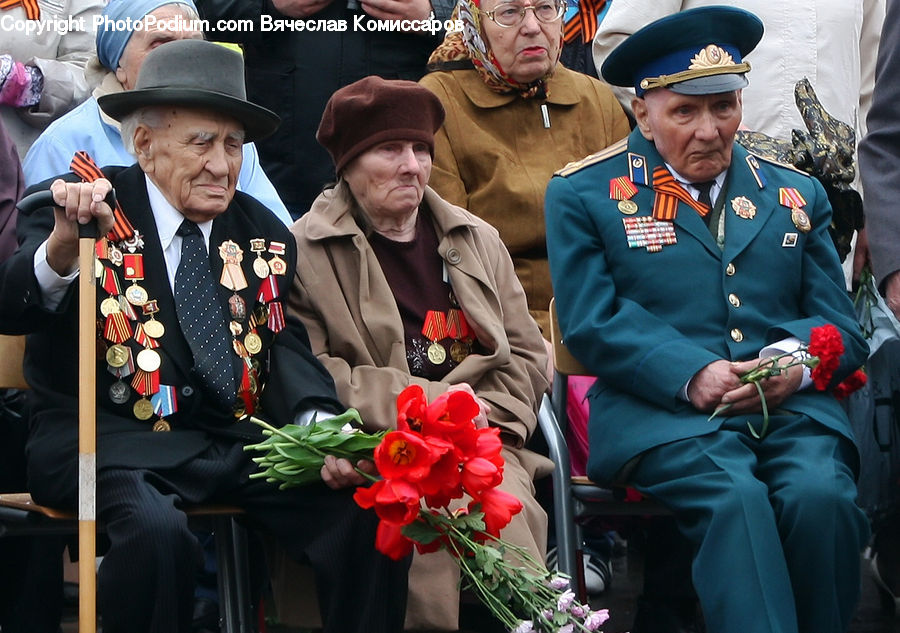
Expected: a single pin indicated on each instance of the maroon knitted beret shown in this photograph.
(374, 110)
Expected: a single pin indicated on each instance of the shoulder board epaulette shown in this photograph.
(612, 150)
(778, 163)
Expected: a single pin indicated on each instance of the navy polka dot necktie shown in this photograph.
(201, 317)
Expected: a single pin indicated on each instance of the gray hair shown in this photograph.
(150, 116)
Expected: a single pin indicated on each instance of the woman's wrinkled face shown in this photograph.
(388, 179)
(527, 51)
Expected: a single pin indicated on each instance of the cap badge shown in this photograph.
(711, 57)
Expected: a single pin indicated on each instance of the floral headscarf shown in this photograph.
(470, 46)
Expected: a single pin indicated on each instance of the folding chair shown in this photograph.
(19, 515)
(577, 498)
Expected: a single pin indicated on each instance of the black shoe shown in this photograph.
(666, 616)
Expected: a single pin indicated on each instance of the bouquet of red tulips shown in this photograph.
(437, 455)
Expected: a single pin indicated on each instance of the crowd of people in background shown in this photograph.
(531, 145)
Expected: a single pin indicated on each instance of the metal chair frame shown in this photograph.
(577, 498)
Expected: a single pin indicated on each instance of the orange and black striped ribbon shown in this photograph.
(85, 168)
(32, 10)
(583, 24)
(668, 193)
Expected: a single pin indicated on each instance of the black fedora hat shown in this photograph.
(194, 73)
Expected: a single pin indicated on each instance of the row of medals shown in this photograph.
(459, 349)
(148, 359)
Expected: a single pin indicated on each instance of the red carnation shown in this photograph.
(826, 343)
(854, 381)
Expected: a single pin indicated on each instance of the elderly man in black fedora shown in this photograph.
(191, 337)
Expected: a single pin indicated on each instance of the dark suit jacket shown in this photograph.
(879, 152)
(646, 322)
(293, 380)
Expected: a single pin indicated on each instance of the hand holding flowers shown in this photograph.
(438, 455)
(822, 355)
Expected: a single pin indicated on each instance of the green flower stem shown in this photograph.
(308, 446)
(527, 585)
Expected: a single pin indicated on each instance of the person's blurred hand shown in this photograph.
(299, 8)
(397, 9)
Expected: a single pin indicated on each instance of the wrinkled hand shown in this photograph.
(76, 203)
(892, 293)
(777, 389)
(300, 8)
(481, 420)
(397, 9)
(708, 385)
(339, 473)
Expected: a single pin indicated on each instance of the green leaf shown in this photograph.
(421, 532)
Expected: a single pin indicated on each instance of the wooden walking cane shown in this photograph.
(87, 429)
(87, 411)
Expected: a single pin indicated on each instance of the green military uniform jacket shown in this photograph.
(647, 320)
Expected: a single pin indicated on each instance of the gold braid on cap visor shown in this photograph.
(663, 81)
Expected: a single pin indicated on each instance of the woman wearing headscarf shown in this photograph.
(398, 287)
(514, 116)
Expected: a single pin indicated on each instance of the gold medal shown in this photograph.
(459, 350)
(161, 426)
(117, 355)
(98, 269)
(436, 354)
(148, 360)
(628, 207)
(109, 306)
(261, 268)
(800, 219)
(136, 295)
(154, 329)
(143, 409)
(253, 343)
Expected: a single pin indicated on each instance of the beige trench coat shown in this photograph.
(495, 154)
(355, 329)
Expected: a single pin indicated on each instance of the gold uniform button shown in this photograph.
(730, 270)
(736, 335)
(733, 300)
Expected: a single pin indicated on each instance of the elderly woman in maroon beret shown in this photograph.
(398, 287)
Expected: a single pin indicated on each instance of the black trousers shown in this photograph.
(31, 567)
(146, 580)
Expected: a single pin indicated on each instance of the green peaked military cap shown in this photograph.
(695, 52)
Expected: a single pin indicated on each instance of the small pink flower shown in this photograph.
(596, 619)
(558, 582)
(563, 602)
(525, 626)
(578, 610)
(566, 628)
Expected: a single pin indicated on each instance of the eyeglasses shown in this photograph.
(512, 14)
